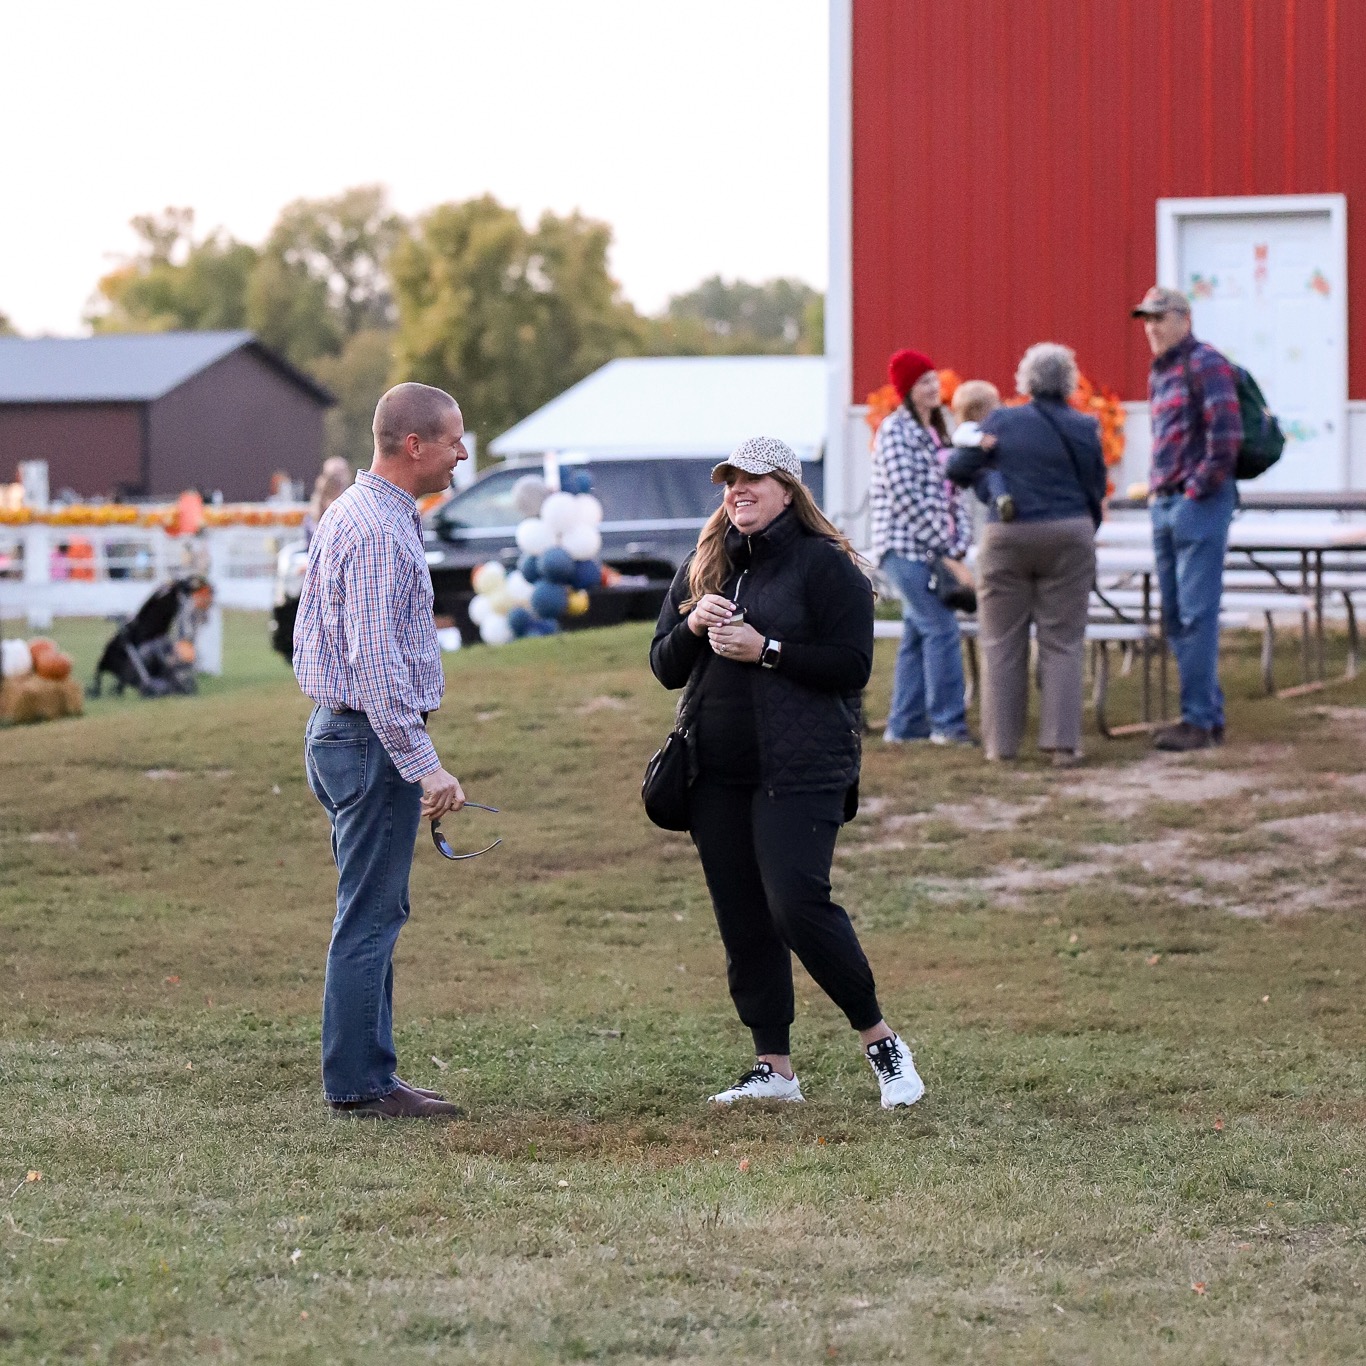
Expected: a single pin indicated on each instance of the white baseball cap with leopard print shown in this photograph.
(759, 455)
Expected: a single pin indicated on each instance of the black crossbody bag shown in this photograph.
(1091, 501)
(668, 775)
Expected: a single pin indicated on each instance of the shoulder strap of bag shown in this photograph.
(1195, 393)
(1091, 501)
(687, 703)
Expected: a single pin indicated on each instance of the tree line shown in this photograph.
(464, 296)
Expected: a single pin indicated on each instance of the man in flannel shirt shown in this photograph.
(366, 652)
(1193, 402)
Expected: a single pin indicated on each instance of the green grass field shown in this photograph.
(1134, 990)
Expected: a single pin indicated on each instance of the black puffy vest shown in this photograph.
(809, 740)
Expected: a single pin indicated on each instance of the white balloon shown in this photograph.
(517, 588)
(582, 542)
(16, 660)
(559, 512)
(501, 601)
(495, 630)
(589, 509)
(449, 638)
(534, 537)
(480, 609)
(489, 577)
(528, 493)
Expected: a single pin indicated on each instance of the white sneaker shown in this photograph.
(763, 1083)
(894, 1068)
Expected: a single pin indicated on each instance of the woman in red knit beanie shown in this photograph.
(917, 519)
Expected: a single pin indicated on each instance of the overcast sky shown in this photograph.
(697, 130)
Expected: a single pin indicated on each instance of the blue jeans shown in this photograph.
(1190, 539)
(374, 814)
(927, 686)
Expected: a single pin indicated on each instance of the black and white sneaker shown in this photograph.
(762, 1083)
(894, 1068)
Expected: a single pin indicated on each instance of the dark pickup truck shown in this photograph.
(652, 511)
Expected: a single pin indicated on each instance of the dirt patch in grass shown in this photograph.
(985, 813)
(1350, 719)
(603, 702)
(1158, 778)
(1322, 831)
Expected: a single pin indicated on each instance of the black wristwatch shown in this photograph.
(773, 651)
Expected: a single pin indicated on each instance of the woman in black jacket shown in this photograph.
(769, 629)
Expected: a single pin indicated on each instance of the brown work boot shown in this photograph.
(400, 1103)
(1182, 737)
(419, 1090)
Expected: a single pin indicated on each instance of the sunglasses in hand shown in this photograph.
(443, 846)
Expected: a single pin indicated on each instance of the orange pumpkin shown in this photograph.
(48, 661)
(40, 646)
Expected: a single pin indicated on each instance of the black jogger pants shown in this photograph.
(767, 864)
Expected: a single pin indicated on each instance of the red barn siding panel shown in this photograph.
(230, 427)
(873, 208)
(1349, 175)
(93, 448)
(1008, 158)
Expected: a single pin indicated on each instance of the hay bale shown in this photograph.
(73, 697)
(29, 699)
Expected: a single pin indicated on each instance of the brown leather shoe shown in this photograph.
(419, 1090)
(400, 1103)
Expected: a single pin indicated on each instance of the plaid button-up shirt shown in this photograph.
(364, 637)
(1197, 429)
(915, 513)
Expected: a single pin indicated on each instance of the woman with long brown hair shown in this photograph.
(768, 628)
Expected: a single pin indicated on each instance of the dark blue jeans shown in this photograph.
(374, 814)
(927, 685)
(1190, 540)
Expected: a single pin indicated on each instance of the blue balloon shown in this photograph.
(545, 628)
(549, 599)
(587, 574)
(557, 566)
(529, 567)
(577, 481)
(521, 621)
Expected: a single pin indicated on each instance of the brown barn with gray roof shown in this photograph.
(149, 415)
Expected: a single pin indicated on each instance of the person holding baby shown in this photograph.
(1039, 469)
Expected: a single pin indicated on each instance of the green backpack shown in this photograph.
(1263, 441)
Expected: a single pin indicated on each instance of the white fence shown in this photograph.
(41, 579)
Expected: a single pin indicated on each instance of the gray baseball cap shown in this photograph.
(1158, 301)
(760, 455)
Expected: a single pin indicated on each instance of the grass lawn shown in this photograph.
(1134, 990)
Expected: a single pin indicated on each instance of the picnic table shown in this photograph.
(1277, 565)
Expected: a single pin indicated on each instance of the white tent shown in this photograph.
(688, 406)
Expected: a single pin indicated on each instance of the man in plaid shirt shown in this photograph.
(1193, 403)
(917, 517)
(365, 651)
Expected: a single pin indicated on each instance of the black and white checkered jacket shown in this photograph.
(915, 515)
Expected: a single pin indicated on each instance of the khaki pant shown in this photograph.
(1039, 572)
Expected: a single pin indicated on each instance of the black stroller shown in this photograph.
(154, 650)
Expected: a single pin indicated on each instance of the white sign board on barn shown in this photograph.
(1267, 281)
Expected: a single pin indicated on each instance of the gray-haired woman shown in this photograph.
(1038, 569)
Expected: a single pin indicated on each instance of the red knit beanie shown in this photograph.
(905, 367)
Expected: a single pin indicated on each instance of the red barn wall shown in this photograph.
(1008, 158)
(93, 448)
(231, 426)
